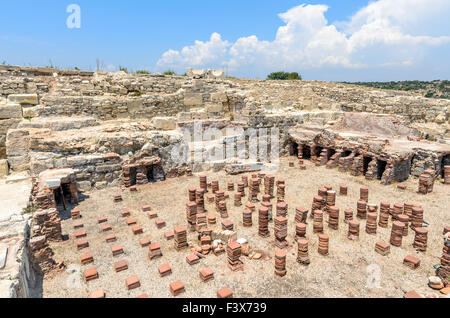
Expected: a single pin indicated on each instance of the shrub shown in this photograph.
(142, 72)
(169, 72)
(284, 76)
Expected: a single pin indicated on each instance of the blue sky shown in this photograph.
(324, 40)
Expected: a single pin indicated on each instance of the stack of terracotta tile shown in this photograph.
(396, 210)
(263, 222)
(300, 230)
(247, 218)
(446, 230)
(282, 209)
(245, 181)
(203, 182)
(371, 223)
(424, 183)
(214, 186)
(318, 221)
(176, 288)
(180, 238)
(444, 269)
(227, 225)
(364, 194)
(318, 204)
(220, 196)
(233, 254)
(189, 172)
(372, 208)
(201, 221)
(331, 199)
(223, 209)
(191, 215)
(302, 256)
(421, 239)
(251, 206)
(343, 190)
(323, 244)
(280, 263)
(361, 209)
(281, 192)
(269, 207)
(254, 189)
(385, 208)
(348, 215)
(323, 193)
(230, 186)
(333, 217)
(411, 261)
(417, 217)
(200, 200)
(432, 174)
(237, 199)
(192, 194)
(353, 230)
(397, 233)
(269, 185)
(407, 208)
(301, 214)
(266, 198)
(446, 174)
(210, 198)
(154, 251)
(241, 189)
(206, 274)
(382, 248)
(405, 220)
(126, 176)
(280, 229)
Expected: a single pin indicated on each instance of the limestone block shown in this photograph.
(164, 123)
(30, 99)
(10, 111)
(440, 119)
(84, 186)
(3, 168)
(214, 108)
(31, 112)
(219, 97)
(193, 99)
(135, 106)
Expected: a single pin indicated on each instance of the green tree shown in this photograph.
(284, 76)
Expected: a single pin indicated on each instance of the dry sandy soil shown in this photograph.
(343, 273)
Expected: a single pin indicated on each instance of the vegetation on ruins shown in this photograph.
(284, 76)
(433, 89)
(169, 72)
(123, 69)
(142, 72)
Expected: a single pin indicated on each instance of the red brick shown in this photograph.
(133, 189)
(146, 208)
(411, 261)
(154, 246)
(160, 223)
(78, 225)
(206, 274)
(176, 288)
(224, 293)
(117, 250)
(82, 244)
(110, 238)
(164, 270)
(106, 228)
(412, 294)
(86, 258)
(125, 213)
(132, 282)
(137, 230)
(90, 274)
(102, 219)
(152, 215)
(131, 222)
(120, 266)
(192, 259)
(142, 296)
(144, 242)
(75, 214)
(100, 293)
(169, 235)
(80, 234)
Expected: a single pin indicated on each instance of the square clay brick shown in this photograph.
(78, 225)
(120, 266)
(154, 247)
(100, 293)
(106, 228)
(176, 288)
(160, 223)
(86, 258)
(152, 215)
(192, 259)
(125, 213)
(411, 261)
(132, 282)
(142, 296)
(80, 234)
(224, 293)
(90, 274)
(111, 238)
(145, 242)
(412, 294)
(75, 214)
(169, 235)
(137, 230)
(131, 222)
(102, 219)
(146, 208)
(164, 270)
(82, 244)
(117, 250)
(206, 274)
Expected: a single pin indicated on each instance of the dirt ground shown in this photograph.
(345, 272)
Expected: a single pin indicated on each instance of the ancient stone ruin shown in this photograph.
(98, 150)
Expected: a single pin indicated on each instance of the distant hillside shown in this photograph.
(433, 89)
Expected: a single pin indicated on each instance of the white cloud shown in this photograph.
(385, 32)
